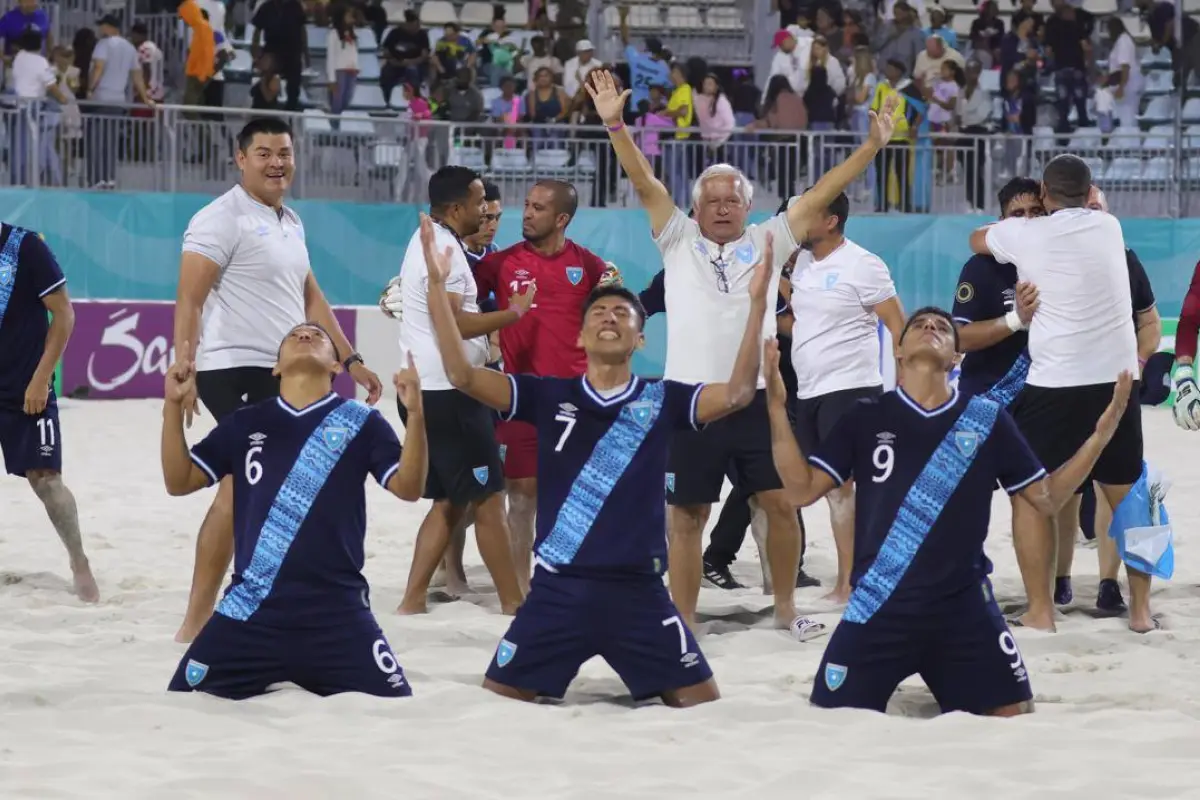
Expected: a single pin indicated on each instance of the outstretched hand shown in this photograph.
(408, 386)
(437, 265)
(610, 104)
(883, 121)
(776, 390)
(762, 271)
(1026, 301)
(180, 386)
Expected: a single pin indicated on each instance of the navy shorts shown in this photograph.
(236, 660)
(963, 651)
(632, 624)
(31, 442)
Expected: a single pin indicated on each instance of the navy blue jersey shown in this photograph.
(300, 513)
(28, 272)
(923, 495)
(986, 290)
(1139, 285)
(486, 304)
(601, 470)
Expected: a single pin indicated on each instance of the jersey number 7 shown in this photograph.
(570, 426)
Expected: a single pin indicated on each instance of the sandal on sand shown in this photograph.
(804, 629)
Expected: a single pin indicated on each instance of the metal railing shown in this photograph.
(389, 159)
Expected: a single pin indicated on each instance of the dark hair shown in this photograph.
(1115, 27)
(775, 87)
(268, 126)
(601, 292)
(1067, 180)
(30, 40)
(450, 185)
(839, 207)
(450, 25)
(491, 191)
(307, 324)
(712, 109)
(566, 199)
(896, 63)
(960, 75)
(1014, 189)
(411, 15)
(926, 311)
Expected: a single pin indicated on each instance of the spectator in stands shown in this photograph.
(341, 59)
(939, 25)
(928, 67)
(1069, 45)
(1123, 62)
(988, 28)
(1160, 18)
(27, 16)
(942, 98)
(653, 123)
(547, 103)
(373, 13)
(681, 107)
(788, 11)
(541, 59)
(202, 53)
(862, 82)
(265, 93)
(647, 68)
(114, 70)
(506, 107)
(70, 138)
(418, 107)
(714, 117)
(902, 40)
(405, 52)
(1020, 50)
(453, 52)
(783, 114)
(576, 70)
(826, 84)
(854, 34)
(214, 12)
(1014, 99)
(893, 159)
(464, 103)
(83, 46)
(1026, 11)
(790, 59)
(974, 114)
(151, 59)
(499, 50)
(280, 34)
(33, 79)
(827, 26)
(570, 28)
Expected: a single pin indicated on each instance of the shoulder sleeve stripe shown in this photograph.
(512, 409)
(387, 476)
(1037, 476)
(56, 285)
(694, 408)
(821, 465)
(205, 468)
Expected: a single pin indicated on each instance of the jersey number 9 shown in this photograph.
(883, 459)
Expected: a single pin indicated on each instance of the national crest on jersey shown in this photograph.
(6, 275)
(601, 461)
(574, 275)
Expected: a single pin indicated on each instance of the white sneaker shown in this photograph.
(804, 629)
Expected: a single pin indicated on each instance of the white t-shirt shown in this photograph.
(707, 289)
(32, 75)
(835, 338)
(574, 74)
(151, 59)
(1124, 53)
(259, 296)
(416, 328)
(1080, 335)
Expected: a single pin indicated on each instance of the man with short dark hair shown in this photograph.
(405, 54)
(280, 33)
(1080, 341)
(244, 281)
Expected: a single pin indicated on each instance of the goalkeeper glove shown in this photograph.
(391, 299)
(1187, 399)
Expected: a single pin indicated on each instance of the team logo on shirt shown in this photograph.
(6, 276)
(964, 293)
(334, 438)
(481, 475)
(966, 441)
(194, 672)
(670, 481)
(745, 253)
(831, 279)
(835, 676)
(574, 275)
(263, 230)
(641, 411)
(505, 653)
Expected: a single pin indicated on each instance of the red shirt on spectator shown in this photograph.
(545, 342)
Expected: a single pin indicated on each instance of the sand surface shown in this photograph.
(84, 714)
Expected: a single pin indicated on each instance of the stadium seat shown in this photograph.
(368, 67)
(989, 81)
(356, 123)
(477, 14)
(1043, 140)
(318, 38)
(243, 40)
(551, 158)
(468, 157)
(1191, 169)
(1124, 169)
(961, 25)
(683, 18)
(586, 162)
(1157, 169)
(368, 96)
(1122, 141)
(1191, 137)
(725, 19)
(516, 14)
(1160, 109)
(1085, 140)
(1191, 6)
(437, 12)
(510, 161)
(490, 95)
(1191, 110)
(395, 10)
(366, 40)
(315, 122)
(1159, 82)
(1159, 138)
(1101, 8)
(242, 64)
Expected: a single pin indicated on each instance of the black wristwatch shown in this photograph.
(351, 360)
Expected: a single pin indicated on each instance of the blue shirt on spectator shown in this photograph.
(644, 72)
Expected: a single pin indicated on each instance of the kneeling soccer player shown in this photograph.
(925, 460)
(298, 607)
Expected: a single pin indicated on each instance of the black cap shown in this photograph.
(654, 45)
(109, 19)
(140, 28)
(410, 15)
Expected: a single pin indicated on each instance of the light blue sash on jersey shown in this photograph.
(922, 506)
(8, 267)
(318, 457)
(607, 463)
(1142, 528)
(1008, 387)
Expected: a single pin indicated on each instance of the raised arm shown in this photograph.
(489, 387)
(181, 475)
(1052, 492)
(803, 484)
(610, 105)
(408, 481)
(719, 399)
(813, 203)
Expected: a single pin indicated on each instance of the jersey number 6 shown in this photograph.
(254, 470)
(383, 657)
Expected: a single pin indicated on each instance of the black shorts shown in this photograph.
(738, 446)
(224, 391)
(464, 459)
(1057, 421)
(816, 416)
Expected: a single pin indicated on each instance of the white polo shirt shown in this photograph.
(416, 328)
(707, 288)
(1080, 335)
(835, 338)
(259, 296)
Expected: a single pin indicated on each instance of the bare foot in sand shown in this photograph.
(85, 585)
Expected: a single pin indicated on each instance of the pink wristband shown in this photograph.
(615, 128)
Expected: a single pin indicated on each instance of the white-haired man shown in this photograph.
(708, 263)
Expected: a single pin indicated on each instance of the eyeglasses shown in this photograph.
(718, 265)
